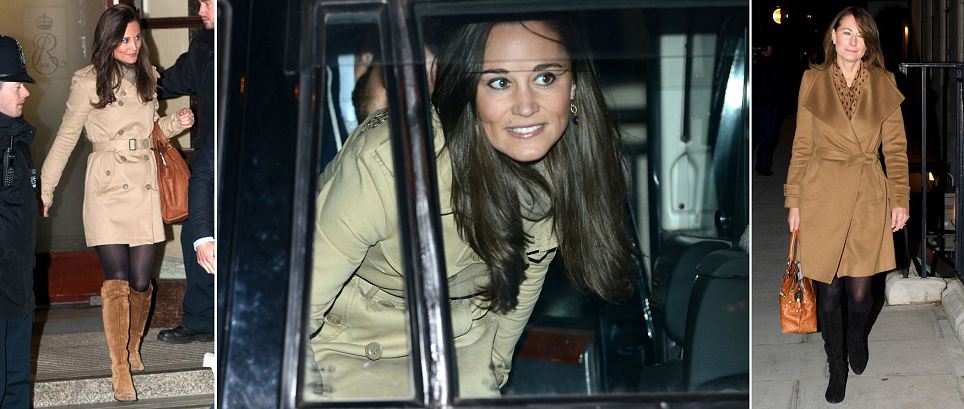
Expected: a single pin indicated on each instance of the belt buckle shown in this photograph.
(132, 144)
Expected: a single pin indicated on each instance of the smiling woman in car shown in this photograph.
(529, 165)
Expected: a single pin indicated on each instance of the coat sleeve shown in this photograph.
(168, 123)
(894, 147)
(512, 323)
(201, 196)
(352, 214)
(802, 146)
(75, 116)
(179, 79)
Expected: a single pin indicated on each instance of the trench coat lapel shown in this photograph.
(822, 101)
(878, 99)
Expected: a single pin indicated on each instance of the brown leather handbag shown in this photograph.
(172, 177)
(798, 301)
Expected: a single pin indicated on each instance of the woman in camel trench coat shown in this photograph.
(114, 101)
(839, 197)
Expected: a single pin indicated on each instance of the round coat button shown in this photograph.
(125, 186)
(121, 103)
(148, 186)
(333, 319)
(120, 132)
(108, 173)
(373, 351)
(123, 93)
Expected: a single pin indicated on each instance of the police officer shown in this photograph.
(19, 210)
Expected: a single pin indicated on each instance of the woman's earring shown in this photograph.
(575, 112)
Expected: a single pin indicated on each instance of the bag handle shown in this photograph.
(792, 251)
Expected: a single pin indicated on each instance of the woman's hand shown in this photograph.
(793, 219)
(898, 218)
(46, 209)
(185, 118)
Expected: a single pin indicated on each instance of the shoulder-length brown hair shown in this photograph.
(107, 36)
(584, 179)
(874, 57)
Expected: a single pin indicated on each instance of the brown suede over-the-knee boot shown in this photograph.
(140, 306)
(114, 295)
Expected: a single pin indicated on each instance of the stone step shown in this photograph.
(189, 388)
(182, 402)
(71, 365)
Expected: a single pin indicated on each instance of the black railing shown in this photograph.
(957, 174)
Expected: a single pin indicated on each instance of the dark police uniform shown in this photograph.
(19, 210)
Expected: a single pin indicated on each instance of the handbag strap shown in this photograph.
(792, 251)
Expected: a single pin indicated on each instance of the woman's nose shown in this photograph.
(525, 102)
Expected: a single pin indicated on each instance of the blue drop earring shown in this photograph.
(575, 112)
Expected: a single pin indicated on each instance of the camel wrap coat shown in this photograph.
(357, 322)
(121, 200)
(837, 181)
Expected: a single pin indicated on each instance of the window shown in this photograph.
(674, 79)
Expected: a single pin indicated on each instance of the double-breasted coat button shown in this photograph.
(148, 186)
(123, 93)
(373, 351)
(333, 319)
(125, 186)
(108, 173)
(120, 132)
(121, 103)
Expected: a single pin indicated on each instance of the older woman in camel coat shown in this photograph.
(839, 196)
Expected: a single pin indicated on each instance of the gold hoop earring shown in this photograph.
(575, 112)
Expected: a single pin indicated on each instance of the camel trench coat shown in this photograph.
(357, 320)
(837, 181)
(121, 200)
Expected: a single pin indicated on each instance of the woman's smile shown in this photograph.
(526, 132)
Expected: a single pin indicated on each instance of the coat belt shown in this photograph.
(122, 145)
(863, 158)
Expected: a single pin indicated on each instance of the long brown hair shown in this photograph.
(584, 177)
(873, 57)
(107, 36)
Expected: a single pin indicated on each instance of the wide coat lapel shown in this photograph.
(878, 99)
(822, 101)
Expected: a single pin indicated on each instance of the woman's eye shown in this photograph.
(499, 83)
(546, 78)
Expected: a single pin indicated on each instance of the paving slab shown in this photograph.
(865, 392)
(912, 357)
(906, 323)
(774, 394)
(788, 361)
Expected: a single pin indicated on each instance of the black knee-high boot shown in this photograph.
(831, 327)
(857, 340)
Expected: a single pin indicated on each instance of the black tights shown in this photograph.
(858, 289)
(131, 264)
